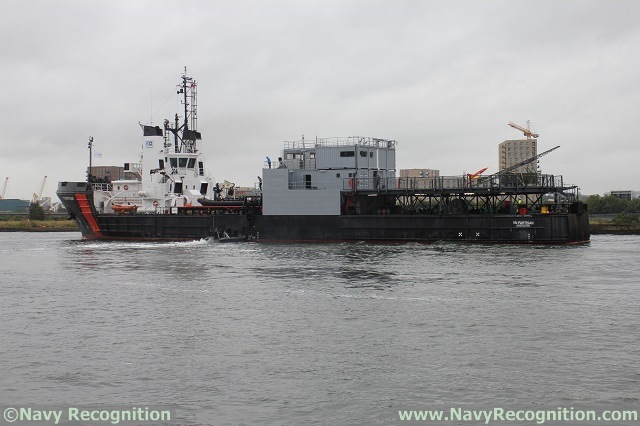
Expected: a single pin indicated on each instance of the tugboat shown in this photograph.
(325, 189)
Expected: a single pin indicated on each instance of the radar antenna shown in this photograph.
(186, 135)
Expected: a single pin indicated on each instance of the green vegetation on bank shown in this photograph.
(36, 212)
(624, 215)
(609, 204)
(603, 227)
(38, 220)
(15, 223)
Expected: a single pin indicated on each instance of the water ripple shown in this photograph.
(317, 333)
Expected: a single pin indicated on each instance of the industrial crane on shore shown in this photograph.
(4, 188)
(38, 194)
(527, 131)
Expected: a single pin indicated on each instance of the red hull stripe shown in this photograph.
(85, 208)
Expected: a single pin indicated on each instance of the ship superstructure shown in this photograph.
(310, 176)
(171, 171)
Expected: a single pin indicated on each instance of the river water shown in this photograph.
(345, 333)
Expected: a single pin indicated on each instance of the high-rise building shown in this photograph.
(512, 152)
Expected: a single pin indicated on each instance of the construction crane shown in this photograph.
(527, 131)
(515, 166)
(4, 188)
(38, 194)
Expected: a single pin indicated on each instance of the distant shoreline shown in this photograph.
(49, 225)
(607, 228)
(44, 229)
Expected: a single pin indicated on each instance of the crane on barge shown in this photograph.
(477, 174)
(515, 166)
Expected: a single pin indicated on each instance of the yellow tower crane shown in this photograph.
(527, 131)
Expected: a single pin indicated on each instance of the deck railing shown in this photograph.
(462, 183)
(102, 187)
(341, 141)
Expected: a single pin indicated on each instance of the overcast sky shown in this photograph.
(442, 78)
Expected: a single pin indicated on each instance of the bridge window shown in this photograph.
(192, 163)
(182, 162)
(347, 154)
(173, 162)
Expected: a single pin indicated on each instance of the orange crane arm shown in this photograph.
(476, 174)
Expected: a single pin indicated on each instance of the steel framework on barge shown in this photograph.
(503, 194)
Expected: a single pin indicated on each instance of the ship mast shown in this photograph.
(186, 135)
(90, 146)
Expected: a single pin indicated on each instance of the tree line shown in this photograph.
(609, 204)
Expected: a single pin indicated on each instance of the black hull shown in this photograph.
(559, 228)
(490, 229)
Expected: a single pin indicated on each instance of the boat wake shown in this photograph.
(111, 245)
